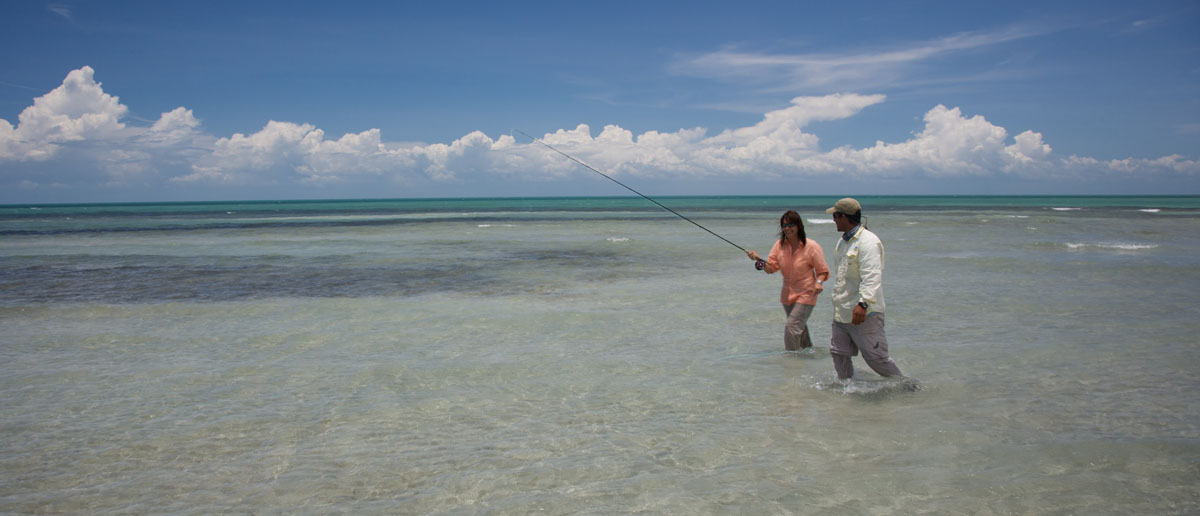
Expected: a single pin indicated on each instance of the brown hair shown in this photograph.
(791, 217)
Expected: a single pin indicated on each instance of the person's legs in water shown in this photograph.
(873, 345)
(841, 348)
(795, 330)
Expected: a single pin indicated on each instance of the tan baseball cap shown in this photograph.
(848, 206)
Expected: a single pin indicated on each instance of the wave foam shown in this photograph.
(874, 388)
(1123, 246)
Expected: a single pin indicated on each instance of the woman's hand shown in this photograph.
(753, 255)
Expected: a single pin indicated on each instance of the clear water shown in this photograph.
(592, 356)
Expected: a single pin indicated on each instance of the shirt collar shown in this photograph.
(850, 234)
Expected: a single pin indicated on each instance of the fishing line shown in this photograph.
(757, 265)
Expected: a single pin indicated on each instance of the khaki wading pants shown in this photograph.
(866, 338)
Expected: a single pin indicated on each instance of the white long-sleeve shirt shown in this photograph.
(859, 266)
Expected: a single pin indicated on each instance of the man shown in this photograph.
(858, 295)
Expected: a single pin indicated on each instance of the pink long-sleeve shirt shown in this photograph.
(800, 268)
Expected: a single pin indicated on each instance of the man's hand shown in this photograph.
(860, 315)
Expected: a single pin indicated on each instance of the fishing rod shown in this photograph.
(758, 264)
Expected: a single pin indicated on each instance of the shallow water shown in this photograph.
(599, 360)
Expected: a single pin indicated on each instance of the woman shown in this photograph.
(804, 270)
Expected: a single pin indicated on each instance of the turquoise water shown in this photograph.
(599, 203)
(592, 356)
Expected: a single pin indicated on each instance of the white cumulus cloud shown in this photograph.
(77, 110)
(80, 125)
(951, 144)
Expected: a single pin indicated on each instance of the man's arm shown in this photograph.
(870, 269)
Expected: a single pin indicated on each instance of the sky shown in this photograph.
(132, 101)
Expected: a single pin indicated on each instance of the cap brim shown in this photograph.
(831, 210)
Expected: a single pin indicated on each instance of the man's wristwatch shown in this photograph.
(863, 304)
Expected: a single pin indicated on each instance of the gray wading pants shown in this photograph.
(866, 338)
(795, 330)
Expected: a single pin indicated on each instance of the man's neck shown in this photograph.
(851, 232)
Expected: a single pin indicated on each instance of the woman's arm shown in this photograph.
(771, 264)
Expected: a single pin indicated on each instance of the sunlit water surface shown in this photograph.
(599, 361)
